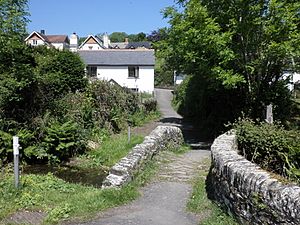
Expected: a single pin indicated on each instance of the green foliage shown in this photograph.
(13, 19)
(150, 104)
(111, 151)
(64, 200)
(235, 51)
(270, 146)
(118, 36)
(62, 70)
(210, 108)
(5, 146)
(114, 104)
(62, 141)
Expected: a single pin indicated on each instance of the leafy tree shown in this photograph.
(234, 49)
(157, 35)
(118, 36)
(137, 37)
(13, 19)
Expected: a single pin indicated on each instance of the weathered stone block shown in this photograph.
(159, 139)
(248, 191)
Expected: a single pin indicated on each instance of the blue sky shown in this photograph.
(96, 16)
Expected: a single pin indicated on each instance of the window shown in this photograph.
(34, 42)
(92, 71)
(133, 72)
(134, 89)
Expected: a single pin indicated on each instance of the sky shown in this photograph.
(87, 17)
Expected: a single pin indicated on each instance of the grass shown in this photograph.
(62, 200)
(65, 198)
(199, 203)
(110, 151)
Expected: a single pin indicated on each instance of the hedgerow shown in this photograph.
(270, 146)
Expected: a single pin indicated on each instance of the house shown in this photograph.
(133, 69)
(95, 43)
(293, 78)
(60, 42)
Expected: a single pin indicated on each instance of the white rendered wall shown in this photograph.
(39, 42)
(145, 82)
(60, 46)
(90, 47)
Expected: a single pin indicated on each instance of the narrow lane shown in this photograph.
(163, 202)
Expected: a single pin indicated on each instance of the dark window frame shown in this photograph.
(91, 71)
(133, 72)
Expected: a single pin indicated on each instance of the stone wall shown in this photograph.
(249, 192)
(161, 138)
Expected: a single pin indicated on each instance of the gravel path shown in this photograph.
(163, 202)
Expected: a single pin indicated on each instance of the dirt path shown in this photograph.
(163, 202)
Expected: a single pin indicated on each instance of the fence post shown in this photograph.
(16, 159)
(129, 134)
(269, 116)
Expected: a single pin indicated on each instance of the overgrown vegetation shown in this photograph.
(63, 200)
(46, 100)
(235, 54)
(211, 214)
(270, 146)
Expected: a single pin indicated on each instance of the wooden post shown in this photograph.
(129, 134)
(269, 116)
(16, 160)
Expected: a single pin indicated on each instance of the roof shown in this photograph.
(118, 57)
(50, 38)
(57, 38)
(131, 45)
(141, 44)
(97, 39)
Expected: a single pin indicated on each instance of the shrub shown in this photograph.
(150, 104)
(113, 103)
(61, 142)
(270, 146)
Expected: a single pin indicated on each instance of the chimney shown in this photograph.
(74, 42)
(106, 41)
(42, 31)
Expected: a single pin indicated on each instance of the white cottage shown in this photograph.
(129, 68)
(60, 42)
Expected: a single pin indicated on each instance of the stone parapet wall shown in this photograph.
(161, 138)
(248, 191)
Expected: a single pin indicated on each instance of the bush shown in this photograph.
(270, 146)
(150, 105)
(113, 104)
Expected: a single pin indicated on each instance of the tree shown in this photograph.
(118, 36)
(235, 48)
(137, 37)
(13, 18)
(157, 35)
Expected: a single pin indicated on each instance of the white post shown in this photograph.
(16, 159)
(269, 117)
(129, 134)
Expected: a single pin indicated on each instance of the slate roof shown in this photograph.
(118, 57)
(96, 38)
(131, 45)
(142, 44)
